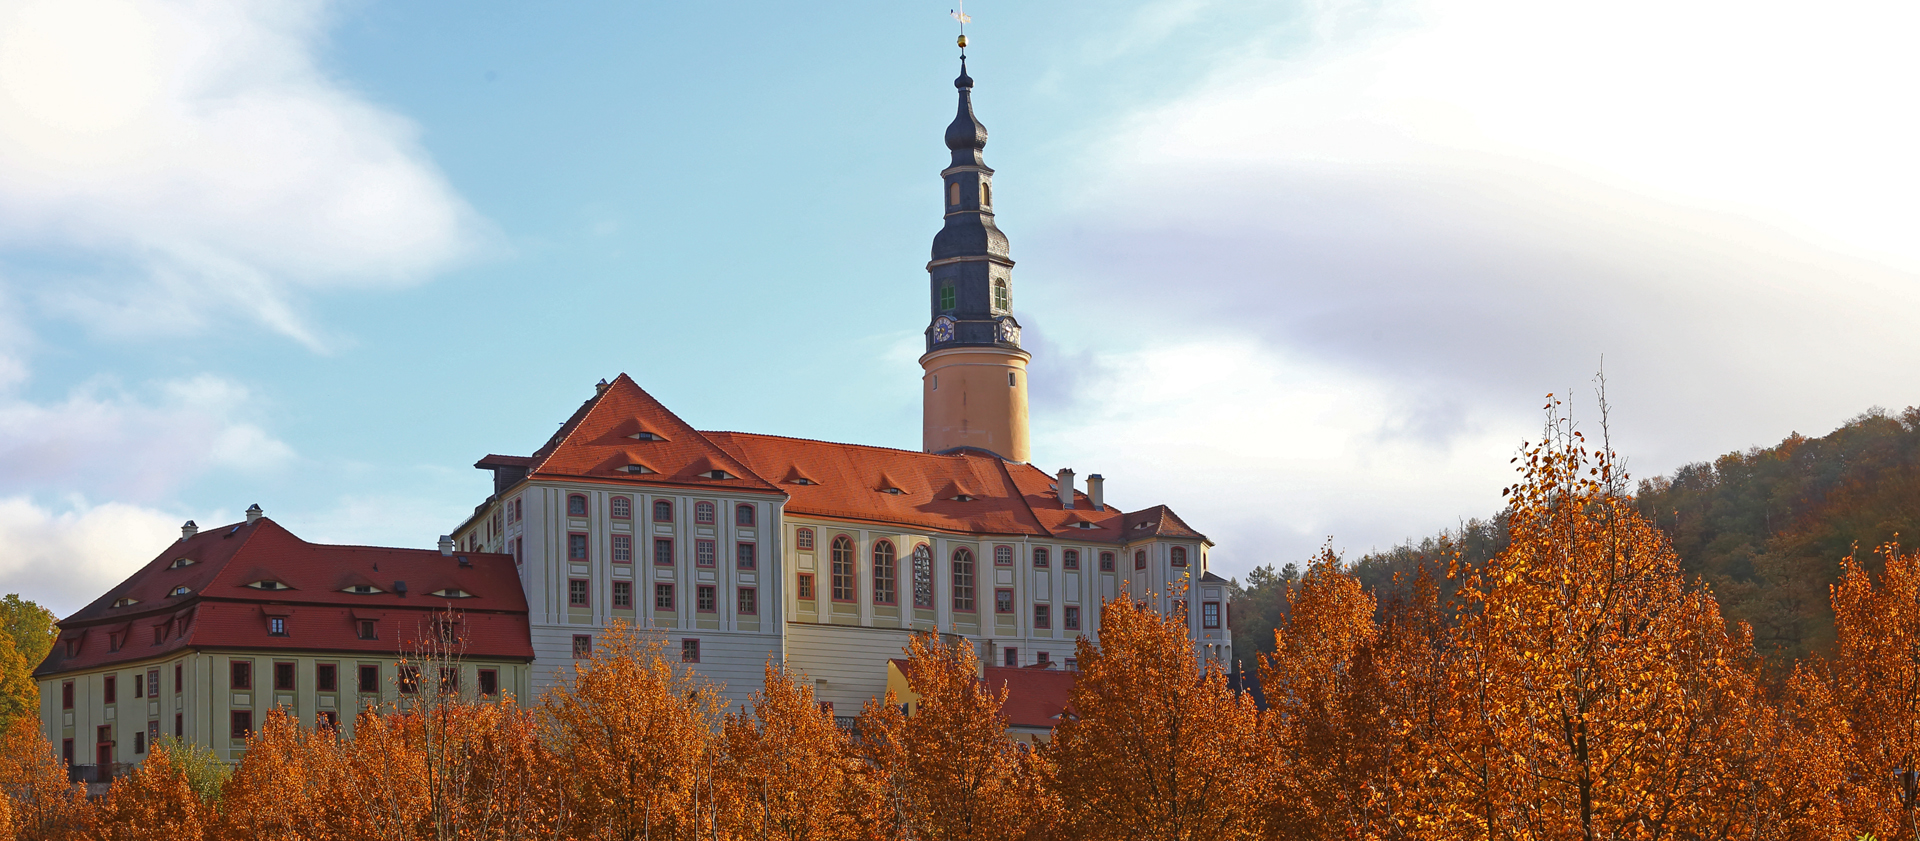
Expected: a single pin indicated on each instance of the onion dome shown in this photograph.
(965, 135)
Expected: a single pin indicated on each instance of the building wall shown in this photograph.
(198, 707)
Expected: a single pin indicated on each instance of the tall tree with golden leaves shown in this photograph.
(948, 771)
(784, 765)
(1158, 746)
(1596, 694)
(45, 804)
(635, 731)
(292, 786)
(1876, 688)
(153, 801)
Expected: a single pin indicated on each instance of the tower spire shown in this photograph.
(975, 383)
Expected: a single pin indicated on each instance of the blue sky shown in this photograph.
(1302, 270)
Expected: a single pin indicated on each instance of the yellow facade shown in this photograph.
(976, 397)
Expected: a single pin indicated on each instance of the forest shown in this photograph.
(1578, 681)
(1765, 530)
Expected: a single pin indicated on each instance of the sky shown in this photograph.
(1304, 271)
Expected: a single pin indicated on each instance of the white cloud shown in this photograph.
(64, 559)
(107, 440)
(196, 146)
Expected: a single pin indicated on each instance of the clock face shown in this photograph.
(1009, 331)
(943, 329)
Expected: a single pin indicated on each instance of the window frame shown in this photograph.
(960, 563)
(1012, 657)
(110, 689)
(1070, 617)
(1042, 557)
(582, 646)
(663, 591)
(1043, 616)
(1178, 554)
(407, 677)
(579, 593)
(291, 672)
(360, 682)
(663, 552)
(1070, 559)
(623, 548)
(998, 603)
(746, 601)
(487, 682)
(803, 587)
(326, 677)
(746, 555)
(582, 499)
(886, 567)
(663, 505)
(276, 626)
(746, 514)
(843, 574)
(1108, 561)
(803, 539)
(1002, 555)
(580, 540)
(367, 629)
(1210, 615)
(239, 676)
(66, 695)
(705, 513)
(923, 555)
(616, 503)
(153, 682)
(1139, 559)
(239, 725)
(690, 646)
(706, 598)
(706, 553)
(622, 592)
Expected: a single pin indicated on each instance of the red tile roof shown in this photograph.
(221, 609)
(1036, 697)
(596, 443)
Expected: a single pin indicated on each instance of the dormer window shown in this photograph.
(123, 602)
(179, 563)
(804, 481)
(963, 498)
(644, 435)
(891, 490)
(362, 590)
(269, 584)
(1138, 526)
(637, 469)
(277, 626)
(452, 593)
(719, 474)
(180, 591)
(1083, 524)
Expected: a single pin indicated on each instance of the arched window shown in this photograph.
(842, 552)
(883, 573)
(576, 506)
(986, 193)
(803, 540)
(662, 511)
(1003, 556)
(1002, 301)
(703, 513)
(1179, 556)
(922, 576)
(622, 508)
(962, 579)
(953, 194)
(743, 515)
(1140, 559)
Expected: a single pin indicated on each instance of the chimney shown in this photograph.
(600, 387)
(1064, 481)
(1096, 492)
(254, 513)
(446, 544)
(189, 530)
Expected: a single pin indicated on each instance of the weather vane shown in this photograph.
(960, 14)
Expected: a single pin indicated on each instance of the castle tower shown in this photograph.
(974, 390)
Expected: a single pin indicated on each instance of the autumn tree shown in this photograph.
(1876, 688)
(156, 797)
(784, 765)
(948, 772)
(634, 730)
(1158, 746)
(1596, 694)
(292, 786)
(45, 806)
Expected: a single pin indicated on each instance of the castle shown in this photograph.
(738, 547)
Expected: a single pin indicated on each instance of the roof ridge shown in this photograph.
(834, 443)
(1021, 495)
(580, 418)
(569, 427)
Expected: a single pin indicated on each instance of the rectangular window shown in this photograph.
(663, 597)
(622, 549)
(66, 695)
(1209, 614)
(367, 629)
(240, 725)
(576, 592)
(1042, 616)
(621, 508)
(242, 674)
(139, 685)
(705, 599)
(1042, 658)
(66, 750)
(489, 682)
(277, 626)
(1140, 559)
(582, 646)
(947, 295)
(623, 595)
(369, 678)
(662, 552)
(283, 677)
(744, 557)
(689, 651)
(1071, 618)
(153, 683)
(748, 601)
(803, 540)
(159, 634)
(1003, 556)
(179, 679)
(1106, 561)
(805, 590)
(703, 553)
(179, 725)
(1003, 600)
(1041, 557)
(108, 692)
(327, 720)
(409, 679)
(1070, 558)
(743, 515)
(326, 678)
(449, 680)
(1013, 658)
(576, 547)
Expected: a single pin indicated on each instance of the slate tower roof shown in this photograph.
(971, 274)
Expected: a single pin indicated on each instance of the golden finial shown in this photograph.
(960, 14)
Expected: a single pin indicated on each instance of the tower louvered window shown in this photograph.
(948, 298)
(1002, 300)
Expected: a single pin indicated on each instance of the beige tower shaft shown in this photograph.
(976, 397)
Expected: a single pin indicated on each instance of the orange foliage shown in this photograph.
(1876, 688)
(42, 804)
(1158, 747)
(153, 800)
(784, 765)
